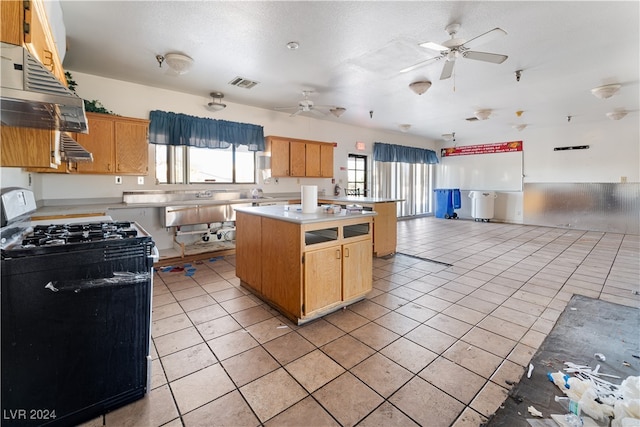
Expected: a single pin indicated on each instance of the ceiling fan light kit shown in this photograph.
(617, 115)
(482, 114)
(216, 104)
(420, 87)
(178, 62)
(604, 92)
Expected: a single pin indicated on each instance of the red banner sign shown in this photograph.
(499, 147)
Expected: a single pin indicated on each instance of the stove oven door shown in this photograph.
(75, 333)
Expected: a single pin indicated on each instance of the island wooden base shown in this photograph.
(295, 320)
(304, 269)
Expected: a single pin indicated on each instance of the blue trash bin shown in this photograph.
(447, 199)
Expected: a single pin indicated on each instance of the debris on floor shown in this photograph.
(590, 394)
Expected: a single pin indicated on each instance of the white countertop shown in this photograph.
(358, 200)
(293, 213)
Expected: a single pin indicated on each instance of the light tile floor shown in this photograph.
(434, 344)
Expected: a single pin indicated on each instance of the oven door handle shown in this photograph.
(119, 278)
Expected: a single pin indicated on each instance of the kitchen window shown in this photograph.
(195, 165)
(196, 150)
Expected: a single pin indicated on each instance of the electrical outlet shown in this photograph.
(623, 179)
(141, 180)
(298, 181)
(118, 180)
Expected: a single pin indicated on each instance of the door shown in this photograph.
(297, 158)
(99, 142)
(326, 160)
(356, 259)
(322, 278)
(312, 160)
(279, 157)
(132, 150)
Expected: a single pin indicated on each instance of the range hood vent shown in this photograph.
(72, 151)
(33, 97)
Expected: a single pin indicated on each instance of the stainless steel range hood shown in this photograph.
(33, 97)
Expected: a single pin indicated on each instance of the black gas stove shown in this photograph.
(75, 302)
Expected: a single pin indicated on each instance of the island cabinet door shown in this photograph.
(357, 267)
(322, 278)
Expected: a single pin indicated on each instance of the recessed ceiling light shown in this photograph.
(293, 45)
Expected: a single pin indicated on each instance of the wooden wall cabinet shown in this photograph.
(299, 157)
(119, 145)
(24, 23)
(29, 147)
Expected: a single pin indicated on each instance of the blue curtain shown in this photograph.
(401, 154)
(181, 129)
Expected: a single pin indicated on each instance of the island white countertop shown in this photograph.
(293, 213)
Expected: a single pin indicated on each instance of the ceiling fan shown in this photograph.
(305, 105)
(455, 48)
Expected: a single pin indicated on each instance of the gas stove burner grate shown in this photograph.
(50, 235)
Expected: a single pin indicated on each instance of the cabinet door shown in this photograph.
(27, 147)
(322, 278)
(99, 142)
(279, 157)
(39, 39)
(248, 245)
(131, 147)
(12, 12)
(297, 157)
(385, 229)
(312, 160)
(326, 160)
(357, 266)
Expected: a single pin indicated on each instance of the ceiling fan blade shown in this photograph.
(317, 112)
(447, 70)
(434, 46)
(484, 38)
(485, 56)
(295, 113)
(420, 64)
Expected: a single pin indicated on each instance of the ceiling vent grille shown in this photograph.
(471, 119)
(243, 83)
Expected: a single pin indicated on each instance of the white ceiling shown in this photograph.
(351, 54)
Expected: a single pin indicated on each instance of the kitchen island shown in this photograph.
(304, 264)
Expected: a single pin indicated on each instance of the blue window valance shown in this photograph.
(181, 129)
(402, 154)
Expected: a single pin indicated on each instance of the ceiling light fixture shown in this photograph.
(519, 127)
(482, 114)
(604, 92)
(420, 87)
(176, 61)
(449, 136)
(216, 104)
(617, 115)
(338, 111)
(293, 45)
(405, 127)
